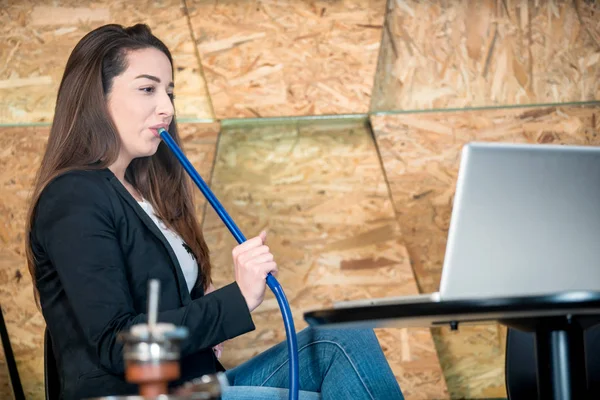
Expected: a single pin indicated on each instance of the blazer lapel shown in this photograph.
(184, 294)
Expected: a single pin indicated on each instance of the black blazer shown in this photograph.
(95, 251)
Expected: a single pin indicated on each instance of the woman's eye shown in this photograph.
(148, 89)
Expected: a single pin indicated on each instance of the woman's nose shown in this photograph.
(165, 106)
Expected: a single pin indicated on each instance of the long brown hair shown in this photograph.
(83, 136)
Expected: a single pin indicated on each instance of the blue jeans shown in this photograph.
(334, 364)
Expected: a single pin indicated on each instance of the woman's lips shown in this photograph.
(155, 132)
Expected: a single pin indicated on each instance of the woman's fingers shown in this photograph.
(253, 261)
(247, 245)
(269, 268)
(260, 259)
(253, 253)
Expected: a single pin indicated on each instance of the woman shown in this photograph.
(112, 208)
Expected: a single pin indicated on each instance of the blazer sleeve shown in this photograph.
(75, 227)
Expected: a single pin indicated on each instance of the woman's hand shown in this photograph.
(253, 261)
(218, 349)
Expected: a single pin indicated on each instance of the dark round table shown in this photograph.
(558, 322)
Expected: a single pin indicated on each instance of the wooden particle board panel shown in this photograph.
(288, 58)
(21, 152)
(319, 191)
(454, 54)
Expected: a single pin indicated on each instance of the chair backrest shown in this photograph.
(51, 376)
(520, 365)
(11, 363)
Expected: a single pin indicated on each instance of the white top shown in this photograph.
(188, 263)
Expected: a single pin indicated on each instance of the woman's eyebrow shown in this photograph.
(153, 78)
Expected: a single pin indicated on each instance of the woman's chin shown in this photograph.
(149, 152)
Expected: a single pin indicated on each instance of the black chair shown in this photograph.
(51, 376)
(520, 364)
(11, 363)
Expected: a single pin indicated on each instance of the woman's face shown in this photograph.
(140, 102)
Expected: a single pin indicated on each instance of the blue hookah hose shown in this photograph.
(288, 321)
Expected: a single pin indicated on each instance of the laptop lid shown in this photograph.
(525, 221)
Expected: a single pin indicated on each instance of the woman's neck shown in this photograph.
(118, 168)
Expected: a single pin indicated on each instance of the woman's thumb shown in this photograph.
(263, 236)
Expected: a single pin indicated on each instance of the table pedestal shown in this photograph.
(560, 356)
(561, 364)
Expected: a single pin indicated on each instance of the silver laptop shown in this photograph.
(525, 221)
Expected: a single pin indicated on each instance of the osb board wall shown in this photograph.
(21, 152)
(421, 154)
(288, 58)
(320, 193)
(38, 37)
(469, 53)
(22, 149)
(199, 142)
